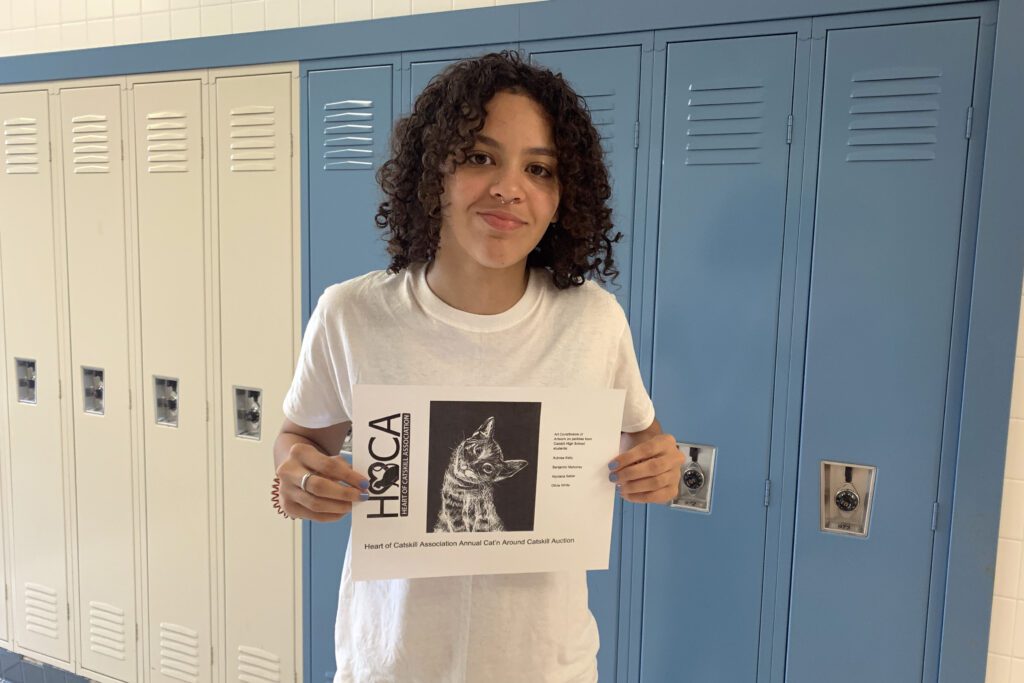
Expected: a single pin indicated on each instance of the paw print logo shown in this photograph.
(383, 476)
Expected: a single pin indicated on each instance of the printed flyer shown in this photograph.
(487, 480)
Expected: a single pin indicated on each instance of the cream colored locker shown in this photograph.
(39, 586)
(169, 176)
(257, 250)
(5, 492)
(91, 124)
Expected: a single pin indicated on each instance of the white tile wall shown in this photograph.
(1006, 634)
(32, 26)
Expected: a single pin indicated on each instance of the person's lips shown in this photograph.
(501, 220)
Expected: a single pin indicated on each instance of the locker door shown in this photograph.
(5, 491)
(170, 182)
(350, 112)
(883, 273)
(609, 80)
(33, 443)
(257, 293)
(721, 222)
(97, 288)
(422, 66)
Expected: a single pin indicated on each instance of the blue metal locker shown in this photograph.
(609, 80)
(420, 67)
(896, 111)
(349, 117)
(721, 222)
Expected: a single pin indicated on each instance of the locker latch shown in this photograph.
(92, 389)
(248, 412)
(697, 477)
(25, 373)
(847, 492)
(166, 394)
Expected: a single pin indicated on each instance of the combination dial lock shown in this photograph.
(847, 498)
(693, 475)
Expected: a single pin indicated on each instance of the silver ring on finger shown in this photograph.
(305, 478)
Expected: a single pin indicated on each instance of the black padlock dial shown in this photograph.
(693, 478)
(847, 500)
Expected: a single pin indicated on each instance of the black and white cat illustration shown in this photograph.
(467, 494)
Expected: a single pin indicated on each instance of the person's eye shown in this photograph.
(477, 158)
(540, 171)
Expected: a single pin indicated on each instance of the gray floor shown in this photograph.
(15, 669)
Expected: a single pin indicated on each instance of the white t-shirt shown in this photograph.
(392, 329)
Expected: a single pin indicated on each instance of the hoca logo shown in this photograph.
(389, 480)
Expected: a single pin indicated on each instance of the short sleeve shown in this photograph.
(314, 398)
(638, 413)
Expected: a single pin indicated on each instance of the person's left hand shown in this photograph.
(648, 472)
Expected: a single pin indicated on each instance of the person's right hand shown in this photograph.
(331, 489)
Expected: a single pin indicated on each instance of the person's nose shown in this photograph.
(507, 187)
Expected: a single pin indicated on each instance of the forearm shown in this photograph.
(630, 439)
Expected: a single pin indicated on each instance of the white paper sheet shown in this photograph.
(483, 480)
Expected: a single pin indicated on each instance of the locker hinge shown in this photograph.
(291, 144)
(207, 411)
(935, 515)
(202, 148)
(60, 389)
(767, 491)
(636, 135)
(122, 150)
(50, 145)
(129, 399)
(211, 654)
(789, 130)
(68, 605)
(970, 121)
(136, 632)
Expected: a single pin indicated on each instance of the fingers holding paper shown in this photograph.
(649, 471)
(317, 486)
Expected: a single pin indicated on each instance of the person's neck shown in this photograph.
(475, 289)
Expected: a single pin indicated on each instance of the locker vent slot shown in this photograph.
(106, 630)
(91, 143)
(179, 652)
(253, 139)
(41, 610)
(348, 135)
(167, 135)
(602, 113)
(724, 123)
(21, 146)
(258, 666)
(893, 114)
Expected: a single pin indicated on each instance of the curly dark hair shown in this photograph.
(442, 128)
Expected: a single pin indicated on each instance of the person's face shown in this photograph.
(497, 205)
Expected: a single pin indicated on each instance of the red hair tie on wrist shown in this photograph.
(275, 497)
